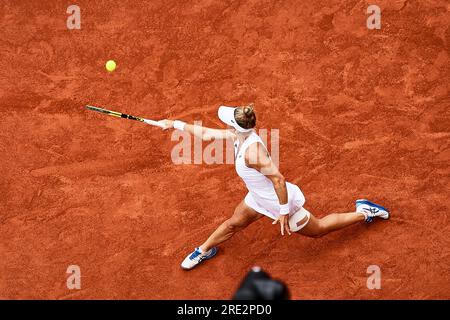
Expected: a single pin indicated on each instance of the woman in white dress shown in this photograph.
(269, 194)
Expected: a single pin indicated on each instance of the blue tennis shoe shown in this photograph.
(371, 210)
(196, 257)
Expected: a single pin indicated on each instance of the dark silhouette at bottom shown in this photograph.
(258, 285)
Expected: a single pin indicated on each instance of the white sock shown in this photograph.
(365, 215)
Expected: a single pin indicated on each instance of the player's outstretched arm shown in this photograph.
(204, 133)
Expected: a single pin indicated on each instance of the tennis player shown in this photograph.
(269, 194)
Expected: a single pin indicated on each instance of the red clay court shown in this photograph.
(361, 113)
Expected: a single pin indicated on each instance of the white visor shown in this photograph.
(226, 114)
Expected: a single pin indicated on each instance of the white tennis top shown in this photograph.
(262, 196)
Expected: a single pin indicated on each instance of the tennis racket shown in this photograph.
(125, 116)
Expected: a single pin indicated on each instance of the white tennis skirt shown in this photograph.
(271, 208)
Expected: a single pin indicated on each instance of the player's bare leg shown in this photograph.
(242, 217)
(319, 227)
(365, 211)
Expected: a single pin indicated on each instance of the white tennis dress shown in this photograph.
(261, 194)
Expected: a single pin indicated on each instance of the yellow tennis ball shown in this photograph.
(111, 65)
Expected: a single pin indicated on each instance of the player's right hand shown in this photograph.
(166, 124)
(284, 224)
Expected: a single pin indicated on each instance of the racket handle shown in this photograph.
(153, 123)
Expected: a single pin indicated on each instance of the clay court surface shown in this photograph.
(361, 113)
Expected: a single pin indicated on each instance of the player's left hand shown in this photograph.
(284, 224)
